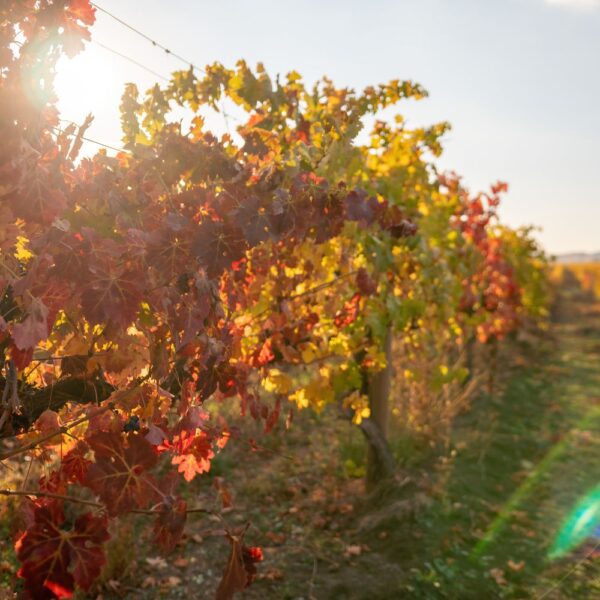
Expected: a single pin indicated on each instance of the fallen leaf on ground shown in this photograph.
(181, 562)
(515, 566)
(113, 584)
(171, 581)
(353, 550)
(498, 575)
(157, 562)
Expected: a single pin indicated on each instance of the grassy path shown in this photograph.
(523, 461)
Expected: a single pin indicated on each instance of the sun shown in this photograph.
(91, 82)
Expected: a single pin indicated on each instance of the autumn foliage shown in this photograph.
(137, 288)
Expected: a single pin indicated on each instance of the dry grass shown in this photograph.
(432, 386)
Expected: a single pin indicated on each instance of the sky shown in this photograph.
(519, 80)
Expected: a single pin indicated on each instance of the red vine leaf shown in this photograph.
(55, 558)
(75, 464)
(114, 294)
(34, 328)
(240, 571)
(217, 245)
(48, 422)
(83, 11)
(170, 522)
(118, 475)
(365, 283)
(361, 207)
(193, 452)
(349, 313)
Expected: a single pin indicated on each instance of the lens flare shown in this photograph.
(582, 523)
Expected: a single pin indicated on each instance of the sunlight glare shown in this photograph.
(579, 525)
(91, 82)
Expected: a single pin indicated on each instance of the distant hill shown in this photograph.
(578, 257)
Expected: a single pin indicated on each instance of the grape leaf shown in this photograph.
(34, 328)
(240, 571)
(217, 245)
(114, 294)
(118, 475)
(193, 453)
(365, 283)
(170, 523)
(83, 11)
(54, 558)
(362, 208)
(75, 464)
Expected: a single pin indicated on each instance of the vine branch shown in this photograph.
(58, 431)
(74, 499)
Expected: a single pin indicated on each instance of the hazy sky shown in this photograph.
(518, 79)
